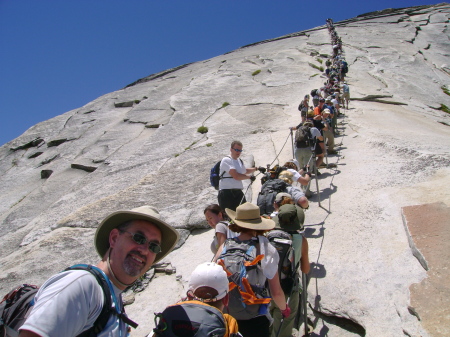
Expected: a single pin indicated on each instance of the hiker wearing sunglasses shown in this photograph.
(232, 172)
(70, 302)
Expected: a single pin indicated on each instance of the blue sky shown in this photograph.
(59, 55)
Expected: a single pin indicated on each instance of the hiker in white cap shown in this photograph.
(69, 303)
(201, 314)
(250, 306)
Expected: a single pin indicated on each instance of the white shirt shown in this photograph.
(69, 303)
(227, 181)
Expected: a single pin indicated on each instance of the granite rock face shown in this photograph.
(140, 145)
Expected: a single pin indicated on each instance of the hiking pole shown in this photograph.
(292, 141)
(317, 182)
(305, 304)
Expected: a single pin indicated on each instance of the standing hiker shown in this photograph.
(346, 94)
(303, 108)
(230, 185)
(128, 242)
(249, 299)
(217, 219)
(290, 219)
(304, 150)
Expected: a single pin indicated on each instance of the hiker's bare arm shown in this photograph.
(238, 176)
(304, 260)
(277, 292)
(219, 251)
(221, 237)
(27, 333)
(250, 170)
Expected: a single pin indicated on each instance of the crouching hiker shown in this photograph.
(292, 247)
(72, 302)
(250, 260)
(201, 314)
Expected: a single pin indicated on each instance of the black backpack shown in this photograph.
(303, 137)
(282, 241)
(269, 191)
(192, 318)
(313, 92)
(215, 175)
(18, 303)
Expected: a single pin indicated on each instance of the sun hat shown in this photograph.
(288, 217)
(209, 274)
(326, 111)
(280, 196)
(247, 215)
(169, 235)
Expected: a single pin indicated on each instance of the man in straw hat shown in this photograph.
(253, 319)
(128, 242)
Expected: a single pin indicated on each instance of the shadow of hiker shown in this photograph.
(317, 271)
(309, 233)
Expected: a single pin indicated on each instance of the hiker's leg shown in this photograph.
(230, 198)
(288, 322)
(319, 160)
(237, 199)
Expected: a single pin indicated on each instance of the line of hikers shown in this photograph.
(251, 286)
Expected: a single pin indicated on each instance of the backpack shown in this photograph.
(314, 92)
(215, 175)
(344, 67)
(16, 305)
(282, 241)
(269, 191)
(193, 318)
(248, 296)
(302, 137)
(272, 173)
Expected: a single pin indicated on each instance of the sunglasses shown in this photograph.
(237, 150)
(142, 240)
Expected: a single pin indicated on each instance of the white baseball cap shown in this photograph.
(209, 274)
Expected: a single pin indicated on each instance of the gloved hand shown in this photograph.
(286, 312)
(308, 173)
(252, 178)
(304, 169)
(262, 169)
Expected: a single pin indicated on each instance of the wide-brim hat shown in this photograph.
(248, 216)
(169, 235)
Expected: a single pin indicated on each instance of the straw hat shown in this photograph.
(248, 216)
(169, 235)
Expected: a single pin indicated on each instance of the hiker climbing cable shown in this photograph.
(288, 232)
(249, 298)
(232, 172)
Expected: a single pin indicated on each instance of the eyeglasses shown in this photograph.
(142, 240)
(237, 150)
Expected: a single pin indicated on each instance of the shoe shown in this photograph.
(323, 165)
(332, 152)
(318, 173)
